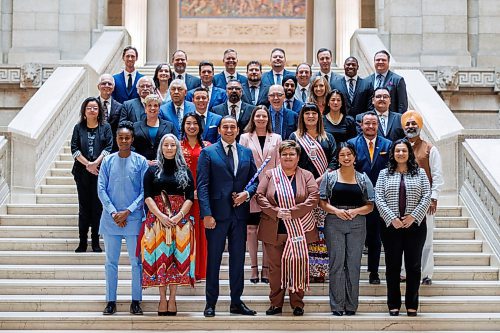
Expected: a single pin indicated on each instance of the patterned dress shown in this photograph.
(191, 154)
(168, 253)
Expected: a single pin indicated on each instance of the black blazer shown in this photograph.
(363, 93)
(142, 142)
(114, 119)
(397, 89)
(79, 142)
(261, 99)
(244, 117)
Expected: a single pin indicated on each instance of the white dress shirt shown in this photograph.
(238, 109)
(134, 74)
(235, 153)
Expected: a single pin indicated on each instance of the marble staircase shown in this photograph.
(44, 285)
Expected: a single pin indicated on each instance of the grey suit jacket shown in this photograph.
(133, 111)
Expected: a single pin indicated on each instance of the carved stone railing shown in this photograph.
(4, 171)
(45, 122)
(480, 191)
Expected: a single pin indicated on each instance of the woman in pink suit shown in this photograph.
(259, 137)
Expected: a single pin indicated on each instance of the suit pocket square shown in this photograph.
(383, 153)
(212, 126)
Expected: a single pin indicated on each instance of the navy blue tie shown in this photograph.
(230, 158)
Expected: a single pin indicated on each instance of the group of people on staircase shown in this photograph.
(314, 167)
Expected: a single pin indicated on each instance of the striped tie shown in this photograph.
(351, 89)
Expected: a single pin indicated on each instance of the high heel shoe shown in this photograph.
(173, 313)
(162, 313)
(262, 278)
(255, 280)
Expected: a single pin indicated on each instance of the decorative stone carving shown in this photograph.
(447, 79)
(497, 80)
(31, 75)
(297, 30)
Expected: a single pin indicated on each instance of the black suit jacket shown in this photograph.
(142, 142)
(114, 119)
(397, 89)
(244, 116)
(247, 96)
(133, 111)
(363, 93)
(290, 121)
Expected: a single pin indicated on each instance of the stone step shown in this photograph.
(92, 272)
(64, 164)
(59, 181)
(68, 245)
(66, 157)
(189, 321)
(42, 209)
(90, 258)
(68, 232)
(98, 287)
(58, 189)
(59, 172)
(313, 304)
(57, 199)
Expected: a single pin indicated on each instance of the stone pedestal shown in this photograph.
(324, 27)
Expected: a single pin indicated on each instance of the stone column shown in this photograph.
(134, 20)
(324, 29)
(348, 20)
(173, 21)
(157, 42)
(5, 29)
(488, 26)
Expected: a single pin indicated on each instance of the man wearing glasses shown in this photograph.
(112, 108)
(389, 121)
(133, 110)
(284, 120)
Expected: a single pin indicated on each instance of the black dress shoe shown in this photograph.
(393, 313)
(374, 278)
(135, 308)
(337, 313)
(209, 311)
(350, 313)
(411, 313)
(241, 309)
(298, 311)
(96, 248)
(82, 247)
(426, 281)
(109, 309)
(274, 310)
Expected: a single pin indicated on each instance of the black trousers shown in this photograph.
(408, 242)
(89, 205)
(373, 241)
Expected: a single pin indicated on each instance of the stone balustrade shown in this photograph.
(46, 121)
(4, 171)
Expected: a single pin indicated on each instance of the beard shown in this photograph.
(412, 132)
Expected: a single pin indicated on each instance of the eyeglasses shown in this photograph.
(277, 95)
(106, 83)
(382, 96)
(92, 108)
(145, 86)
(234, 88)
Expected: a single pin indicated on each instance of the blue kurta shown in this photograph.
(120, 187)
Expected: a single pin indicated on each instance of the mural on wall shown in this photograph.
(243, 8)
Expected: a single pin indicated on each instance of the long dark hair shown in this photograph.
(100, 115)
(301, 128)
(335, 164)
(411, 164)
(327, 102)
(250, 128)
(200, 125)
(155, 77)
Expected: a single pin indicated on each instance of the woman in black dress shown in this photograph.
(336, 120)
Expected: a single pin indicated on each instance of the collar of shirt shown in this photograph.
(281, 73)
(384, 74)
(255, 85)
(330, 74)
(202, 114)
(368, 140)
(227, 75)
(210, 87)
(238, 106)
(105, 100)
(383, 114)
(225, 144)
(177, 74)
(127, 73)
(273, 111)
(299, 88)
(347, 78)
(178, 106)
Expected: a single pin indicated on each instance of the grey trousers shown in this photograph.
(345, 241)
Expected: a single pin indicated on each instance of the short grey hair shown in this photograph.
(145, 78)
(152, 98)
(106, 76)
(178, 82)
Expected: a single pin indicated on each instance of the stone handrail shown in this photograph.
(45, 122)
(4, 171)
(480, 189)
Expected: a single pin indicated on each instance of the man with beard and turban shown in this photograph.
(292, 103)
(234, 106)
(428, 158)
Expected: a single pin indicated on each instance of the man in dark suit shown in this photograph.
(230, 61)
(389, 121)
(396, 85)
(216, 95)
(324, 57)
(303, 75)
(254, 92)
(234, 106)
(278, 72)
(210, 120)
(372, 156)
(126, 81)
(224, 169)
(289, 85)
(357, 91)
(175, 109)
(112, 108)
(179, 60)
(133, 110)
(284, 120)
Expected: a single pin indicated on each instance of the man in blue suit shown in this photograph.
(278, 72)
(179, 60)
(396, 85)
(126, 81)
(372, 155)
(254, 92)
(291, 103)
(324, 57)
(357, 91)
(216, 95)
(133, 110)
(230, 61)
(284, 120)
(175, 109)
(224, 169)
(210, 120)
